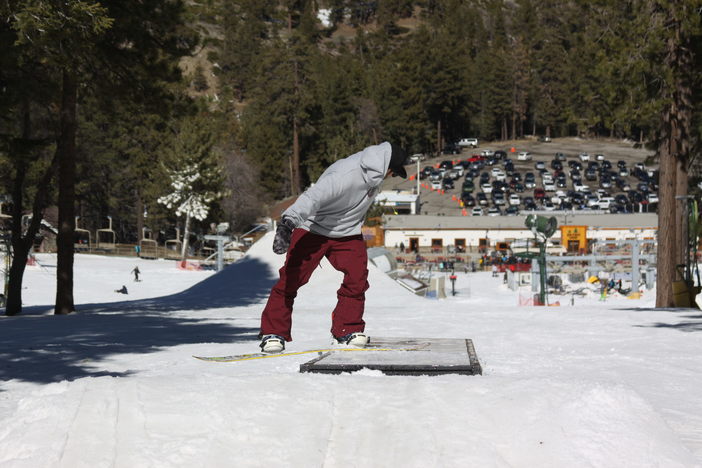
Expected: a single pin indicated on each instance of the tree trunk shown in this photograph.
(186, 235)
(681, 216)
(666, 228)
(66, 151)
(139, 207)
(438, 137)
(674, 154)
(22, 244)
(295, 182)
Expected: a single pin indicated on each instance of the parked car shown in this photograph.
(561, 157)
(486, 187)
(548, 206)
(468, 142)
(539, 193)
(498, 198)
(584, 157)
(500, 154)
(468, 186)
(455, 173)
(488, 153)
(468, 199)
(451, 148)
(512, 210)
(494, 211)
(599, 157)
(482, 198)
(592, 200)
(540, 166)
(447, 183)
(417, 157)
(477, 211)
(579, 187)
(652, 197)
(436, 184)
(514, 200)
(446, 165)
(549, 186)
(606, 202)
(529, 180)
(524, 156)
(544, 139)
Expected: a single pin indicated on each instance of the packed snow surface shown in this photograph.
(594, 384)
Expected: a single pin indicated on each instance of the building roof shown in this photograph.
(396, 196)
(604, 221)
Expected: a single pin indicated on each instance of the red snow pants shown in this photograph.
(347, 255)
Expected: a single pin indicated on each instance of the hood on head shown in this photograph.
(375, 161)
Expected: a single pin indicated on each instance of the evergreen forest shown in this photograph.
(108, 106)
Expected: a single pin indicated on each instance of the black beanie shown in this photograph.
(397, 161)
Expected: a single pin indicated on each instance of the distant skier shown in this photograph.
(136, 274)
(123, 290)
(326, 221)
(603, 289)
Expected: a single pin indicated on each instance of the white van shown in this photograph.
(472, 142)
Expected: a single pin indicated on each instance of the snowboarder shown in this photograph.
(136, 274)
(123, 290)
(326, 221)
(603, 289)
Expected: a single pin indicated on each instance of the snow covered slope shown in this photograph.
(596, 384)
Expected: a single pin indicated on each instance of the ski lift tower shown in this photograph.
(543, 228)
(221, 239)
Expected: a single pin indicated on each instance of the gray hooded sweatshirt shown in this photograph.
(336, 205)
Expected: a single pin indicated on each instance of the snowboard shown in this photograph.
(253, 356)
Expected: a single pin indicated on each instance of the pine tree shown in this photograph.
(106, 46)
(194, 170)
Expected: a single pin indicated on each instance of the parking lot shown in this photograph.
(614, 184)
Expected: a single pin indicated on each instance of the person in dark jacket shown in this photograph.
(326, 221)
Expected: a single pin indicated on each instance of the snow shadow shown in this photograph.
(56, 348)
(240, 284)
(685, 320)
(47, 349)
